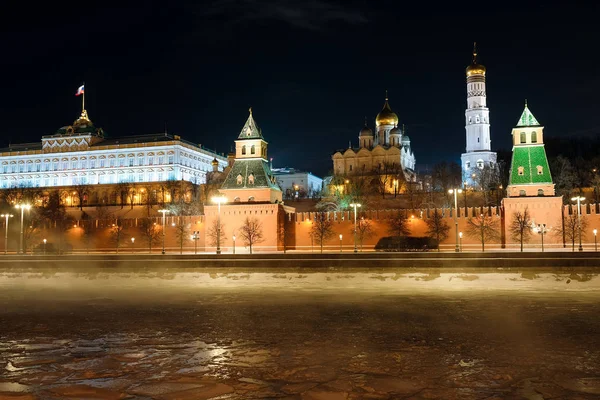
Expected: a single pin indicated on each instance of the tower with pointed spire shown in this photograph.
(250, 178)
(478, 154)
(529, 170)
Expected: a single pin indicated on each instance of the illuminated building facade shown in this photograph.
(478, 153)
(385, 151)
(79, 154)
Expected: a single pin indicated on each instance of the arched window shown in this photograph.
(521, 170)
(533, 137)
(236, 200)
(240, 179)
(468, 164)
(522, 193)
(480, 164)
(253, 149)
(251, 179)
(540, 192)
(243, 149)
(540, 170)
(251, 198)
(523, 137)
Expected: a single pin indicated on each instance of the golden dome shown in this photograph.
(386, 116)
(475, 69)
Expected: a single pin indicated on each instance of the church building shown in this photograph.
(380, 151)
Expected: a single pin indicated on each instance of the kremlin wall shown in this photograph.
(297, 235)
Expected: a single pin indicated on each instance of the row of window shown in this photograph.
(521, 170)
(84, 180)
(524, 137)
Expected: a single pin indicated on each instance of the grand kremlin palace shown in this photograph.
(79, 154)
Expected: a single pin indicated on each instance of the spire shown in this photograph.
(250, 129)
(474, 52)
(386, 95)
(527, 118)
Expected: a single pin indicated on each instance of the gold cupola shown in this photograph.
(386, 116)
(474, 68)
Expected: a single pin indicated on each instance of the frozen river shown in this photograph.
(351, 334)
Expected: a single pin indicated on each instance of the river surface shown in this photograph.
(332, 335)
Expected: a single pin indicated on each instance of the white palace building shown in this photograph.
(79, 154)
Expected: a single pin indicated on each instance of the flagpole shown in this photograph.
(83, 99)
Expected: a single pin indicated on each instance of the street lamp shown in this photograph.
(132, 242)
(164, 213)
(541, 229)
(340, 242)
(44, 246)
(595, 239)
(395, 182)
(460, 240)
(233, 244)
(195, 238)
(456, 192)
(7, 216)
(579, 199)
(296, 189)
(219, 200)
(22, 207)
(355, 205)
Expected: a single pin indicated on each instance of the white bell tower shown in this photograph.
(478, 153)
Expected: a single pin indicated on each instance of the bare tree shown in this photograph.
(122, 190)
(150, 232)
(116, 233)
(571, 231)
(483, 228)
(437, 227)
(564, 176)
(181, 233)
(251, 232)
(520, 227)
(322, 229)
(214, 235)
(81, 191)
(364, 230)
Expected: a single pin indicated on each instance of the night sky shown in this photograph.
(312, 70)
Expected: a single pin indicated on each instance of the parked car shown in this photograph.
(406, 243)
(51, 248)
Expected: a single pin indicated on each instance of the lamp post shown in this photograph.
(541, 228)
(22, 207)
(44, 246)
(340, 242)
(164, 213)
(460, 240)
(132, 243)
(233, 244)
(456, 192)
(296, 194)
(595, 239)
(195, 237)
(355, 205)
(395, 182)
(219, 200)
(579, 199)
(6, 216)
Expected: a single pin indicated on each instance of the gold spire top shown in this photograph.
(475, 68)
(250, 110)
(386, 116)
(525, 102)
(83, 119)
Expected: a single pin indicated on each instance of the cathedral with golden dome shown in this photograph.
(385, 150)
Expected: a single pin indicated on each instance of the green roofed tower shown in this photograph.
(250, 178)
(529, 172)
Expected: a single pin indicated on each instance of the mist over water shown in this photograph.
(340, 334)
